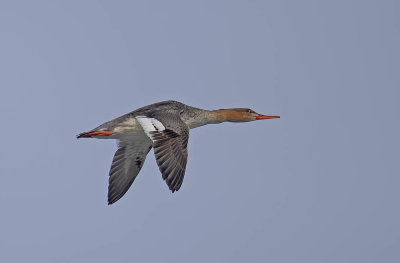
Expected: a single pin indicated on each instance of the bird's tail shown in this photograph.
(93, 134)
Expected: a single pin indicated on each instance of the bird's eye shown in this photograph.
(250, 111)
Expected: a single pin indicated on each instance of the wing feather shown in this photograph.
(127, 162)
(170, 136)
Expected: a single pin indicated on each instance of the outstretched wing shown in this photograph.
(170, 136)
(127, 162)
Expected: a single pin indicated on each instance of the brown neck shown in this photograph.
(228, 115)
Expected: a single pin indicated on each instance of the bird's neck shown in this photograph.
(198, 117)
(225, 115)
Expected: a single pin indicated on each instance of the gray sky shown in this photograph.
(321, 184)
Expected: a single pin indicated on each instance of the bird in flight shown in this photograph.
(165, 127)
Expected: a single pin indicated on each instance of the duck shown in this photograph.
(163, 126)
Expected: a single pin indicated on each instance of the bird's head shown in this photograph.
(240, 115)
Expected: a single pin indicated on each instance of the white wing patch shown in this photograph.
(150, 125)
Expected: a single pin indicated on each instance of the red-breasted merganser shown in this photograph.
(164, 126)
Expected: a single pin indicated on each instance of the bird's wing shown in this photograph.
(170, 136)
(127, 162)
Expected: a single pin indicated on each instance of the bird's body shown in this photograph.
(165, 127)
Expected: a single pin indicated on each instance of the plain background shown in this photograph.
(321, 184)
